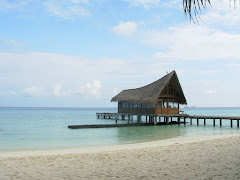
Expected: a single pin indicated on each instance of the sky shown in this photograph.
(81, 53)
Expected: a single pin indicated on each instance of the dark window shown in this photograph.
(159, 104)
(148, 106)
(152, 106)
(127, 105)
(131, 105)
(123, 105)
(120, 104)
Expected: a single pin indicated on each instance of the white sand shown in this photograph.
(207, 157)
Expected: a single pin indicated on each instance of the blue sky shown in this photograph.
(83, 52)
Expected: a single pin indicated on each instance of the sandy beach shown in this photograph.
(206, 157)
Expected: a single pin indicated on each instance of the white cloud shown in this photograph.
(125, 28)
(57, 90)
(210, 91)
(222, 14)
(33, 91)
(193, 43)
(6, 4)
(75, 77)
(145, 3)
(64, 75)
(67, 9)
(91, 88)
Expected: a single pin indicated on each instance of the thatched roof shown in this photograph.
(148, 94)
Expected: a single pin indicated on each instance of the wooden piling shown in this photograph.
(238, 123)
(197, 121)
(167, 120)
(178, 120)
(155, 120)
(190, 121)
(204, 122)
(231, 123)
(221, 122)
(213, 122)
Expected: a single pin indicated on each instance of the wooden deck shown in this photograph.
(155, 119)
(152, 118)
(214, 119)
(107, 125)
(117, 125)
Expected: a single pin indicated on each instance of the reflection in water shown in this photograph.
(149, 133)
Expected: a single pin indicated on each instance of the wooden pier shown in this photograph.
(107, 125)
(156, 119)
(214, 119)
(167, 118)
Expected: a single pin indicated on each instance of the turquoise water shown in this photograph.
(39, 128)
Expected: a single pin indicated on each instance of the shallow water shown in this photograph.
(34, 128)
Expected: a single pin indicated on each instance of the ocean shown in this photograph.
(44, 128)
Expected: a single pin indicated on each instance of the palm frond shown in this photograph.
(192, 8)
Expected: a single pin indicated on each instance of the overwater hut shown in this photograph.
(160, 97)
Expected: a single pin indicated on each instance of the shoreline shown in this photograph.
(97, 149)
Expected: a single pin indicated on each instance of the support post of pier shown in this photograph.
(159, 119)
(198, 121)
(139, 118)
(213, 122)
(155, 120)
(171, 119)
(146, 119)
(190, 121)
(221, 122)
(178, 119)
(131, 117)
(231, 123)
(167, 120)
(184, 120)
(238, 123)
